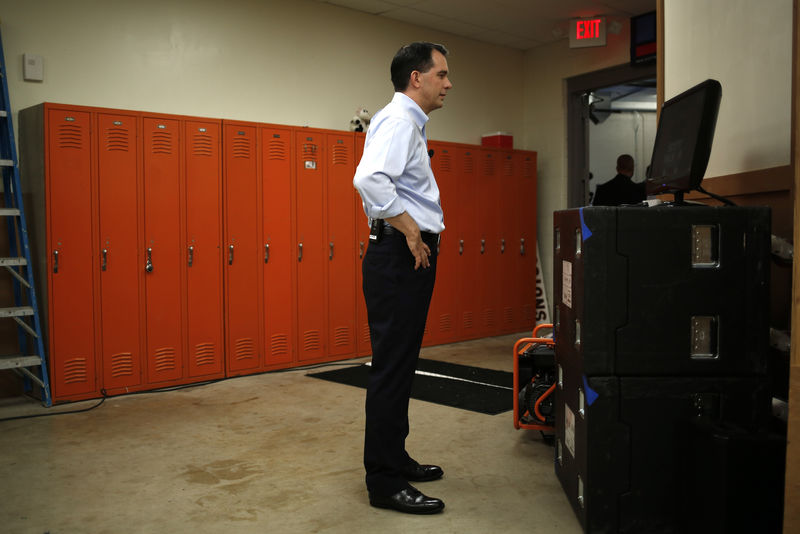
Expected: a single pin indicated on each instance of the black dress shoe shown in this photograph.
(409, 501)
(422, 473)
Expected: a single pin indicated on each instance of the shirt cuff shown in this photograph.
(392, 209)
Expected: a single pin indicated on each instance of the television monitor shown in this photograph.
(683, 141)
(643, 38)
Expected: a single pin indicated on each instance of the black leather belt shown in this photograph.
(428, 237)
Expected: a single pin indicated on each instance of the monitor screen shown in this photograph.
(683, 139)
(643, 38)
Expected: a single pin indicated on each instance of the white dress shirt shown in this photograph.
(395, 173)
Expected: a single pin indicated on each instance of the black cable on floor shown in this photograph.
(178, 388)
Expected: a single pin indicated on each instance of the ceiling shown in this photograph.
(520, 24)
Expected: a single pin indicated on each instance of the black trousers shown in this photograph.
(397, 299)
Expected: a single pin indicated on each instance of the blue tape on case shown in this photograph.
(585, 232)
(591, 395)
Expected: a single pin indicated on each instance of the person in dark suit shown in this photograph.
(620, 189)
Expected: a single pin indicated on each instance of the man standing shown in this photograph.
(401, 199)
(620, 189)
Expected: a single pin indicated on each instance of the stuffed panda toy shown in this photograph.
(360, 121)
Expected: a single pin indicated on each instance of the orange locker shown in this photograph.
(312, 250)
(278, 249)
(525, 247)
(442, 315)
(70, 251)
(509, 215)
(364, 346)
(203, 249)
(488, 216)
(242, 253)
(120, 269)
(163, 247)
(470, 272)
(341, 229)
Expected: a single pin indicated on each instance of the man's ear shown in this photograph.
(415, 78)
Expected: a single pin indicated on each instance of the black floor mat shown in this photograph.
(460, 386)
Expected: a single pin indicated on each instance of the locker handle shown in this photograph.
(460, 246)
(266, 253)
(522, 247)
(360, 249)
(230, 255)
(502, 246)
(55, 261)
(104, 263)
(148, 267)
(483, 246)
(330, 254)
(300, 253)
(191, 255)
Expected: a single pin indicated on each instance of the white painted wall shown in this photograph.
(281, 61)
(747, 46)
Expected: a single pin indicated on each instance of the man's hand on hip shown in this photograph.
(406, 224)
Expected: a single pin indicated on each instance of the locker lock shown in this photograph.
(148, 267)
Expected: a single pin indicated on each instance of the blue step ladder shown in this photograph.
(31, 362)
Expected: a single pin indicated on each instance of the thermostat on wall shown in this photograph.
(32, 68)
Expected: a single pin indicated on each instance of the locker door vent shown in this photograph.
(469, 164)
(445, 322)
(312, 340)
(508, 167)
(529, 168)
(445, 162)
(241, 147)
(341, 337)
(70, 136)
(245, 349)
(279, 344)
(488, 165)
(162, 142)
(75, 371)
(276, 149)
(203, 145)
(508, 315)
(122, 364)
(527, 312)
(164, 359)
(204, 354)
(117, 139)
(467, 320)
(340, 154)
(365, 333)
(488, 317)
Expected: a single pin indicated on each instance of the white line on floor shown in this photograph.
(425, 373)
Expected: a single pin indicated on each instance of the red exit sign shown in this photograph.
(587, 32)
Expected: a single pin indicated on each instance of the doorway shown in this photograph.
(609, 112)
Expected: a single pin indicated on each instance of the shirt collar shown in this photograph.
(419, 116)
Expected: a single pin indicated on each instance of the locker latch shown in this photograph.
(148, 267)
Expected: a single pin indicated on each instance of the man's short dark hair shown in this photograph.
(415, 56)
(625, 163)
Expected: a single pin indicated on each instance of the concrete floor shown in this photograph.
(272, 453)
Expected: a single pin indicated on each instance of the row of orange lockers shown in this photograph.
(176, 249)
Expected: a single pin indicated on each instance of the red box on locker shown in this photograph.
(498, 140)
